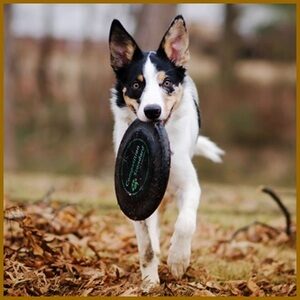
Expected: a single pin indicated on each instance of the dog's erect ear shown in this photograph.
(175, 43)
(122, 46)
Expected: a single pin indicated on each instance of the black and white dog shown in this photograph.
(155, 86)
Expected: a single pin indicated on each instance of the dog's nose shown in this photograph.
(152, 111)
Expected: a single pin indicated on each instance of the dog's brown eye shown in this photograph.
(167, 83)
(135, 85)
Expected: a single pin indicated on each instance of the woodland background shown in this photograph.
(57, 111)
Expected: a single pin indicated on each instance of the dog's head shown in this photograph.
(150, 83)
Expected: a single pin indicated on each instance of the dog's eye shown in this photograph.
(135, 85)
(167, 83)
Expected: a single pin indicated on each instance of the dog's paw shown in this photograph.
(150, 275)
(149, 284)
(178, 261)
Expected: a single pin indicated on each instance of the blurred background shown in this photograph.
(58, 76)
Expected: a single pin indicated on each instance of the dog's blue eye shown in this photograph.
(135, 85)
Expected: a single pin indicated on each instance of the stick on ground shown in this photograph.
(282, 207)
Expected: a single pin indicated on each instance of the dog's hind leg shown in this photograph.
(147, 234)
(188, 200)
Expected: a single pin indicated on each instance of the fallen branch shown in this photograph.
(245, 228)
(283, 208)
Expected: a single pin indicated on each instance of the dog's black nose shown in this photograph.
(152, 111)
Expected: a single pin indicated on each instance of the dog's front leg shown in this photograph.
(148, 245)
(147, 232)
(185, 178)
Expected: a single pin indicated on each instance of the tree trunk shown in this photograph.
(10, 161)
(229, 44)
(45, 54)
(153, 21)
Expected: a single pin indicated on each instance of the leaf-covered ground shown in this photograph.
(73, 240)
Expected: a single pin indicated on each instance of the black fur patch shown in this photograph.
(126, 76)
(198, 113)
(162, 63)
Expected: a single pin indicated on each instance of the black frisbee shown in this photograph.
(142, 169)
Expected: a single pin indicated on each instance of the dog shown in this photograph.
(155, 86)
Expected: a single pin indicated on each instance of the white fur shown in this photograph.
(208, 149)
(152, 93)
(147, 232)
(182, 129)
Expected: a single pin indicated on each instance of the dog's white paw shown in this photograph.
(150, 283)
(178, 260)
(150, 276)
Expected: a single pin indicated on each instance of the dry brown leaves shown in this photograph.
(51, 249)
(54, 249)
(265, 272)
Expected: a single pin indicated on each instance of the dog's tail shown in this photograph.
(205, 147)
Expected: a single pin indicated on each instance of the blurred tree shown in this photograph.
(152, 22)
(45, 75)
(10, 160)
(46, 47)
(286, 12)
(283, 25)
(229, 43)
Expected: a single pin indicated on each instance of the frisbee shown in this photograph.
(142, 169)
